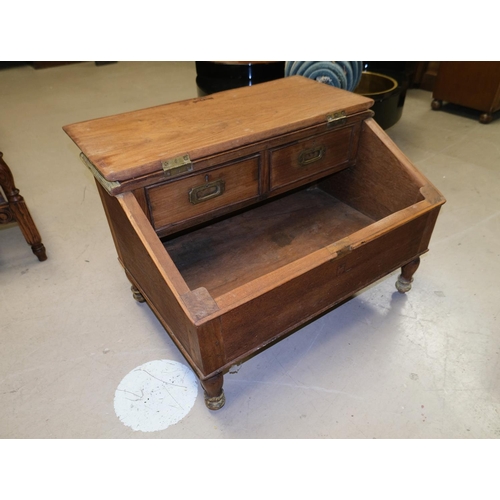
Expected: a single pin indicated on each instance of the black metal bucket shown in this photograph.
(388, 94)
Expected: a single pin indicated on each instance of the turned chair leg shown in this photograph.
(405, 279)
(214, 394)
(16, 209)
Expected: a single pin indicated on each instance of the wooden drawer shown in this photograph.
(193, 196)
(302, 160)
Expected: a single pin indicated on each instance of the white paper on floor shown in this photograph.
(155, 395)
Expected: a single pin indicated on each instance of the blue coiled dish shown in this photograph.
(342, 74)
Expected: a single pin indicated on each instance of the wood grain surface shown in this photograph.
(134, 143)
(230, 253)
(332, 210)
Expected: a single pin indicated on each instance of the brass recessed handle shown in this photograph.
(206, 191)
(311, 155)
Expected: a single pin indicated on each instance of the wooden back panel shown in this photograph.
(382, 181)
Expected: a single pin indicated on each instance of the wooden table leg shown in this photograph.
(406, 277)
(214, 394)
(19, 211)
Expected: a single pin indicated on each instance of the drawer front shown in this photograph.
(190, 197)
(304, 159)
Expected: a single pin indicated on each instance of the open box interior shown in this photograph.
(230, 252)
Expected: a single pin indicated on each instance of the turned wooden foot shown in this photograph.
(39, 251)
(436, 104)
(485, 118)
(405, 279)
(137, 294)
(15, 209)
(214, 394)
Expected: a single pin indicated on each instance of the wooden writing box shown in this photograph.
(240, 216)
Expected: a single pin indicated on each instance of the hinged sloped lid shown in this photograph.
(133, 144)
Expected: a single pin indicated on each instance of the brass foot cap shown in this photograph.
(216, 402)
(137, 295)
(403, 285)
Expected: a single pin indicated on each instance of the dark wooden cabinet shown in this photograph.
(475, 85)
(242, 215)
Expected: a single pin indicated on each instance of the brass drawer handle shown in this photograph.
(206, 191)
(311, 155)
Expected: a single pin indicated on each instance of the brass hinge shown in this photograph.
(177, 166)
(109, 186)
(336, 119)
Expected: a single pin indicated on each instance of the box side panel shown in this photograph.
(145, 272)
(267, 317)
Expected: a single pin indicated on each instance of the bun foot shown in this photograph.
(214, 394)
(216, 402)
(403, 285)
(405, 279)
(436, 104)
(137, 295)
(485, 118)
